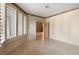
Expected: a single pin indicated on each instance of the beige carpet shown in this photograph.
(47, 47)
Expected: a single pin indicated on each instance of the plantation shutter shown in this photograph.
(2, 23)
(11, 22)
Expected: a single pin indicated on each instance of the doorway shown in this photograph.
(42, 30)
(39, 30)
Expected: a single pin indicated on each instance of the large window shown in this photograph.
(2, 22)
(8, 23)
(20, 23)
(11, 22)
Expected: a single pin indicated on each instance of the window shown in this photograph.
(2, 22)
(19, 23)
(25, 24)
(8, 26)
(11, 22)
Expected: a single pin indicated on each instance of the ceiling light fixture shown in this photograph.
(46, 6)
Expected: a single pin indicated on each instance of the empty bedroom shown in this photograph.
(39, 28)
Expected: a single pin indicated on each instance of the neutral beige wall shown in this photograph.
(32, 26)
(65, 27)
(46, 24)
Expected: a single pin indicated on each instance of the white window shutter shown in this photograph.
(11, 22)
(2, 23)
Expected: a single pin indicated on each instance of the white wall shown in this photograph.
(65, 27)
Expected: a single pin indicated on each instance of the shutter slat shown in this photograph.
(11, 22)
(2, 23)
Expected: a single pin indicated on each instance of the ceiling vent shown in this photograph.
(46, 6)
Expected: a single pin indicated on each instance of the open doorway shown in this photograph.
(42, 30)
(39, 30)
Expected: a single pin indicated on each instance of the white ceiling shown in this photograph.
(40, 10)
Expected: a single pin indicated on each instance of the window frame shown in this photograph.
(15, 21)
(23, 14)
